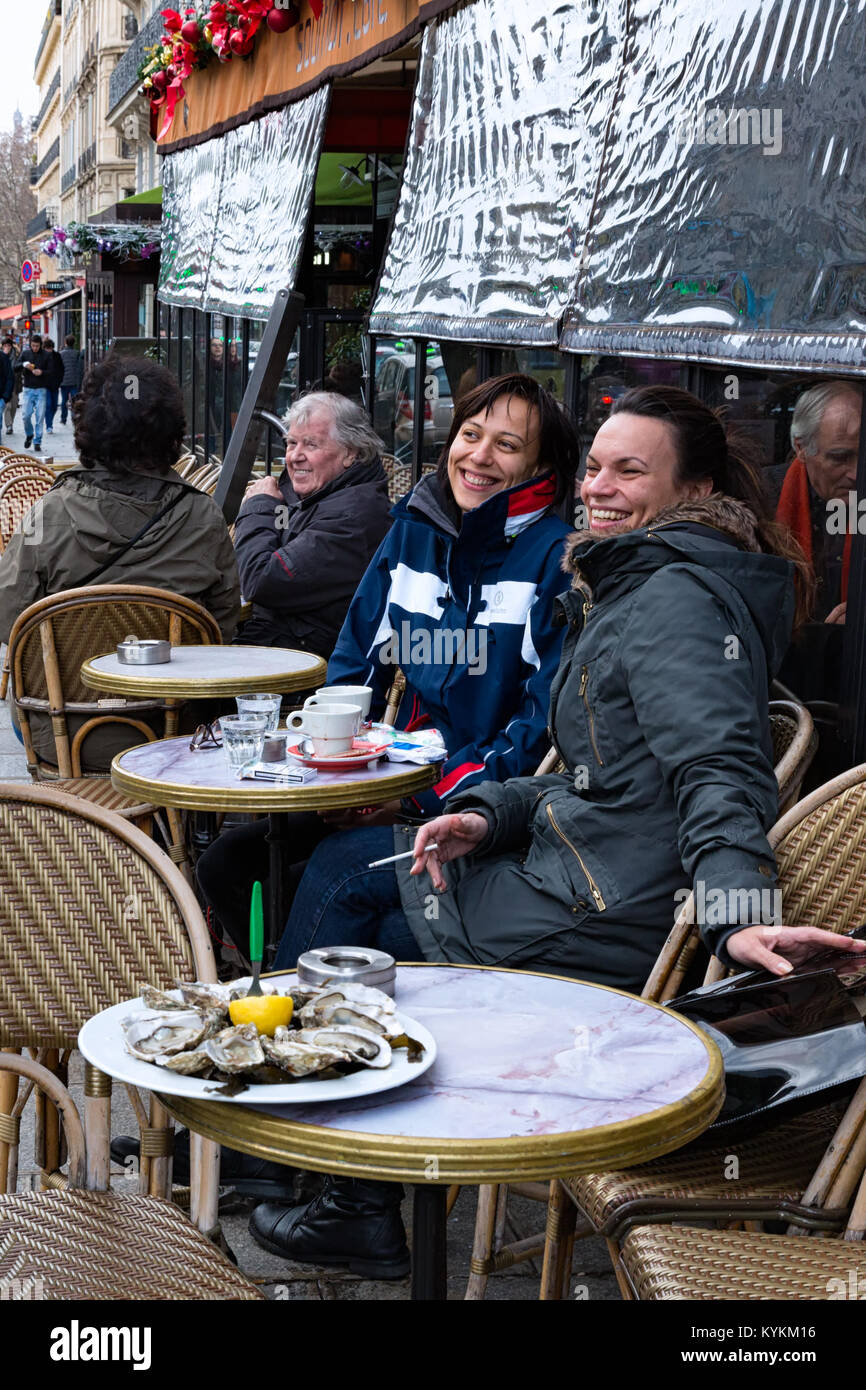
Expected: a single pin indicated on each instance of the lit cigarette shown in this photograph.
(392, 858)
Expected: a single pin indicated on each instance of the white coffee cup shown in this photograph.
(331, 728)
(361, 695)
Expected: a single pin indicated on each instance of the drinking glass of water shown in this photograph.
(261, 704)
(243, 737)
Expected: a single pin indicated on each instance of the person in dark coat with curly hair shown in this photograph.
(129, 428)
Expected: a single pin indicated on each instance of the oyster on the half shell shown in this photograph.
(162, 1033)
(235, 1049)
(298, 1058)
(187, 1063)
(357, 1043)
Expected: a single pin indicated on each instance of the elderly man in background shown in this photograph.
(825, 430)
(303, 543)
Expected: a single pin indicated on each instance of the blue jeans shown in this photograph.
(67, 394)
(33, 398)
(50, 406)
(342, 902)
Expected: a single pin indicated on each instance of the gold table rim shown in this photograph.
(269, 796)
(136, 682)
(401, 1158)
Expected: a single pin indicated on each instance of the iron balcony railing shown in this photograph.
(87, 159)
(67, 179)
(50, 157)
(49, 97)
(124, 78)
(42, 222)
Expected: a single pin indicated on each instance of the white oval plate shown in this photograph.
(102, 1042)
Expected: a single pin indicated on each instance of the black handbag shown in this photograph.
(796, 1041)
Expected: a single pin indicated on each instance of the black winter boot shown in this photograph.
(352, 1222)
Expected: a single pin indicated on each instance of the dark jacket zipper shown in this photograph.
(584, 678)
(593, 886)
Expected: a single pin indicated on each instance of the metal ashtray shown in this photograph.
(338, 965)
(145, 651)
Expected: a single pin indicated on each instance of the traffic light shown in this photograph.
(27, 326)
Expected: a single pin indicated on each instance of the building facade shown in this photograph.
(97, 165)
(46, 127)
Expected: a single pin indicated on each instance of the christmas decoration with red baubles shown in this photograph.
(192, 38)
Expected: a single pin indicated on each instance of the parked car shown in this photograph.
(394, 406)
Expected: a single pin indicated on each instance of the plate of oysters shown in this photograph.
(294, 1045)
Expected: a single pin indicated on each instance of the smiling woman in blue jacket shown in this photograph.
(460, 593)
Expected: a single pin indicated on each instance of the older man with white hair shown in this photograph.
(304, 542)
(825, 431)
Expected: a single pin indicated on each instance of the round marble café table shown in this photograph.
(208, 671)
(536, 1077)
(168, 773)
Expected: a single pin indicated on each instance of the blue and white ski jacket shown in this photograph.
(468, 617)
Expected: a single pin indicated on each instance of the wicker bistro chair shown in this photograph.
(90, 909)
(47, 646)
(186, 464)
(73, 1243)
(820, 847)
(794, 745)
(18, 495)
(399, 477)
(684, 1262)
(13, 465)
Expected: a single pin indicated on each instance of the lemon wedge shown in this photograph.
(267, 1011)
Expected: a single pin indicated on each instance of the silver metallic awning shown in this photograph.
(506, 141)
(657, 177)
(235, 211)
(729, 223)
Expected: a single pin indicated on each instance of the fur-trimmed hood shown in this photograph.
(717, 536)
(718, 511)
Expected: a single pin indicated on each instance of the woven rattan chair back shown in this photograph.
(206, 479)
(399, 476)
(14, 465)
(74, 1243)
(54, 636)
(795, 743)
(820, 847)
(90, 909)
(18, 496)
(186, 464)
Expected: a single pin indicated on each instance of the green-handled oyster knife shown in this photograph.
(257, 938)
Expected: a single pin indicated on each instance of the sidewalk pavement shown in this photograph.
(60, 444)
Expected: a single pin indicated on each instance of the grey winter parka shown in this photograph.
(659, 711)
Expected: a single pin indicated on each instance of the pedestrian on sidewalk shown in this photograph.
(53, 380)
(7, 375)
(35, 366)
(73, 371)
(9, 350)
